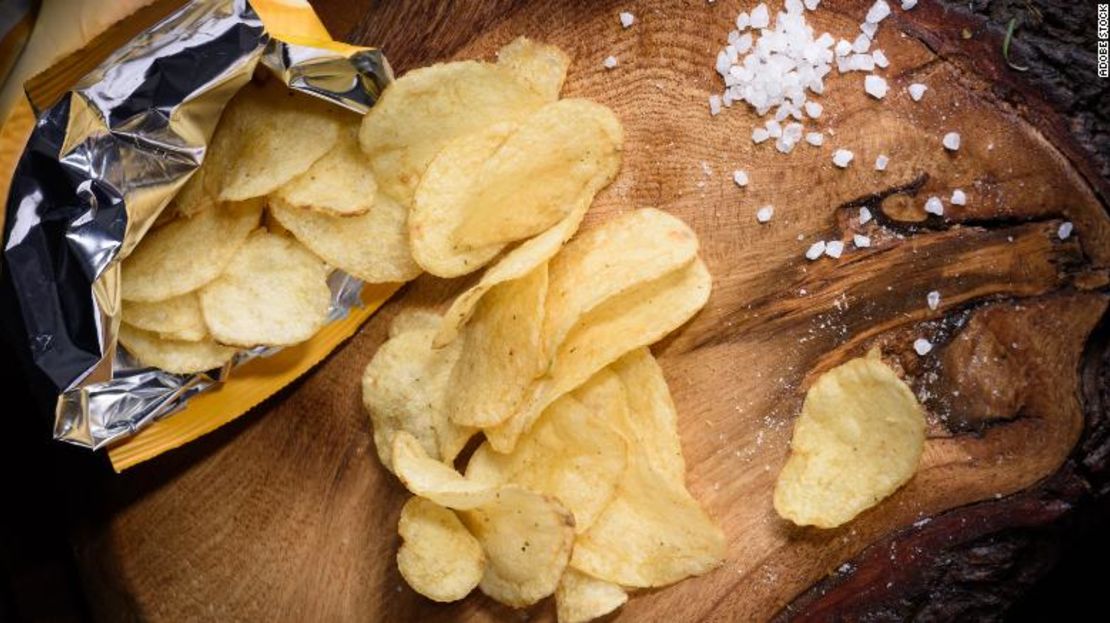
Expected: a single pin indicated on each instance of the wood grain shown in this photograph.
(288, 516)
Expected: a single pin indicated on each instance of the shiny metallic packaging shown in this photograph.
(100, 166)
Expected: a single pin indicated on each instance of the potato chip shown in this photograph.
(527, 538)
(514, 265)
(656, 430)
(373, 247)
(187, 253)
(621, 254)
(580, 597)
(424, 476)
(438, 557)
(502, 352)
(273, 292)
(569, 454)
(174, 356)
(624, 323)
(193, 198)
(341, 183)
(267, 136)
(540, 66)
(404, 389)
(178, 318)
(427, 108)
(859, 438)
(653, 532)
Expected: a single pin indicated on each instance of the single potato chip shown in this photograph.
(187, 253)
(424, 476)
(273, 292)
(581, 598)
(514, 265)
(341, 183)
(438, 557)
(624, 323)
(655, 432)
(178, 318)
(404, 388)
(540, 66)
(527, 538)
(373, 247)
(619, 255)
(859, 438)
(193, 198)
(569, 454)
(173, 356)
(502, 352)
(267, 136)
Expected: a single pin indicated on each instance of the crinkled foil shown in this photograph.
(100, 166)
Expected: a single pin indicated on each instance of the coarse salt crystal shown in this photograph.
(869, 29)
(933, 300)
(785, 144)
(880, 59)
(834, 248)
(861, 44)
(793, 6)
(814, 109)
(878, 12)
(815, 250)
(765, 213)
(740, 177)
(861, 241)
(774, 128)
(922, 346)
(761, 17)
(881, 162)
(959, 197)
(759, 135)
(842, 158)
(843, 48)
(610, 62)
(627, 19)
(815, 138)
(864, 216)
(933, 205)
(875, 86)
(743, 20)
(714, 105)
(861, 62)
(811, 4)
(917, 91)
(1064, 232)
(951, 141)
(908, 4)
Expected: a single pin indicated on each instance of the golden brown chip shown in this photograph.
(569, 454)
(273, 292)
(542, 67)
(173, 356)
(267, 136)
(424, 476)
(527, 538)
(341, 183)
(187, 253)
(193, 198)
(502, 352)
(655, 432)
(438, 557)
(373, 247)
(404, 389)
(859, 438)
(178, 318)
(581, 598)
(427, 108)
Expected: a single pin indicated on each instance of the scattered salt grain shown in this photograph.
(761, 17)
(759, 135)
(627, 19)
(811, 4)
(714, 104)
(774, 128)
(917, 91)
(880, 59)
(933, 205)
(815, 138)
(861, 241)
(814, 109)
(765, 213)
(1064, 232)
(875, 86)
(869, 29)
(908, 4)
(864, 216)
(610, 62)
(952, 141)
(843, 48)
(740, 177)
(922, 346)
(834, 248)
(933, 299)
(743, 20)
(881, 162)
(842, 158)
(861, 44)
(959, 197)
(878, 12)
(816, 250)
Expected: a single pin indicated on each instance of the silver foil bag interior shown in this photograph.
(100, 165)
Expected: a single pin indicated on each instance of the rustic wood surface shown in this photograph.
(286, 514)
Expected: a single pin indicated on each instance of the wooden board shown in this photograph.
(287, 515)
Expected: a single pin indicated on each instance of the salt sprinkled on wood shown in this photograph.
(815, 250)
(834, 248)
(1064, 232)
(714, 102)
(740, 177)
(917, 91)
(933, 205)
(875, 86)
(814, 109)
(959, 198)
(761, 17)
(878, 12)
(610, 62)
(922, 346)
(765, 213)
(880, 59)
(864, 216)
(815, 138)
(842, 158)
(812, 4)
(952, 141)
(627, 19)
(759, 135)
(861, 241)
(908, 4)
(933, 299)
(881, 162)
